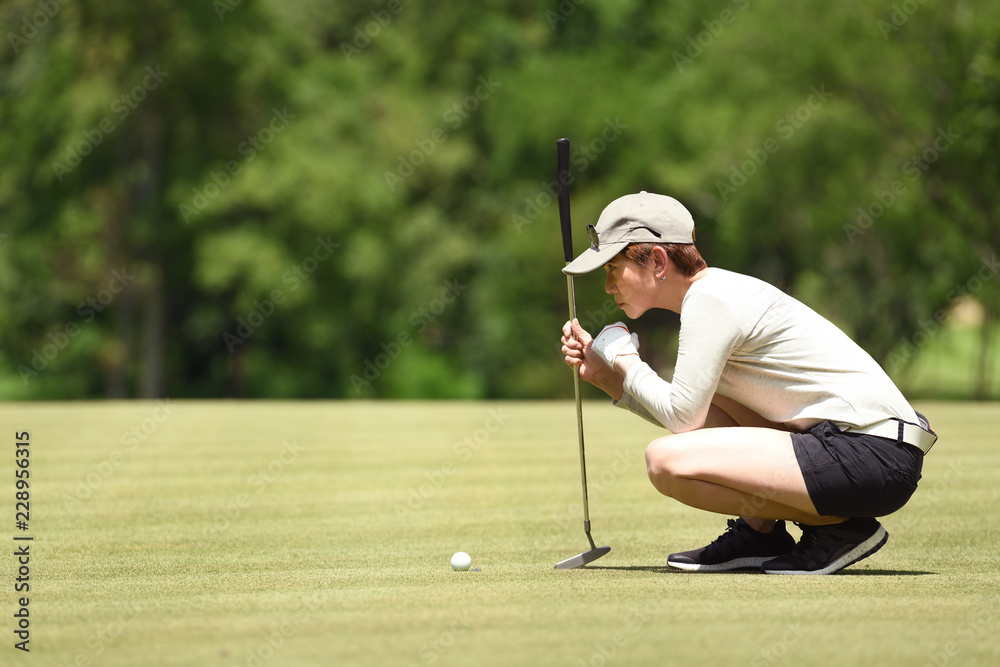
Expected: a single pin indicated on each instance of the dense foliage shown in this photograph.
(324, 199)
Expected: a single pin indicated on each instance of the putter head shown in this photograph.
(582, 559)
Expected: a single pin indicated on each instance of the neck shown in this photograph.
(675, 288)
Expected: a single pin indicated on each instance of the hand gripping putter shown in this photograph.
(562, 151)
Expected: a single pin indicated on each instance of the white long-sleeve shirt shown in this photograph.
(747, 340)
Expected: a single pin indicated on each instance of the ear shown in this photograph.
(660, 261)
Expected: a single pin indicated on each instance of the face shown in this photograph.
(632, 286)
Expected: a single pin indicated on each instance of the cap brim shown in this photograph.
(591, 259)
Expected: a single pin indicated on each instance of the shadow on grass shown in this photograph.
(666, 569)
(883, 573)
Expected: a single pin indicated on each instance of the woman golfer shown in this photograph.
(775, 414)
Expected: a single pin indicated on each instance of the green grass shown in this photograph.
(320, 534)
(948, 365)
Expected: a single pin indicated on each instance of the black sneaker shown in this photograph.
(826, 549)
(739, 547)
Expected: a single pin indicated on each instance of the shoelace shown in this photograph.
(814, 540)
(732, 534)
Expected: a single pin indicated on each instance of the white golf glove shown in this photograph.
(615, 341)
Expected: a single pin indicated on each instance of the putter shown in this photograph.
(562, 154)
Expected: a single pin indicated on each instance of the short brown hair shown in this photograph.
(684, 256)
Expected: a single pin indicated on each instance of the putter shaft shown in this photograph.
(579, 417)
(564, 220)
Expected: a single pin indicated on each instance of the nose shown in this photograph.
(609, 285)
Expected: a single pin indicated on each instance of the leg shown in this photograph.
(743, 464)
(742, 471)
(724, 412)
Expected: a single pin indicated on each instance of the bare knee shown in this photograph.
(661, 464)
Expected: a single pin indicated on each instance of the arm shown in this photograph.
(709, 335)
(577, 346)
(628, 402)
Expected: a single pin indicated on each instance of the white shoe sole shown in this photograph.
(736, 564)
(863, 550)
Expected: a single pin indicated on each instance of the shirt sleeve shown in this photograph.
(628, 402)
(709, 334)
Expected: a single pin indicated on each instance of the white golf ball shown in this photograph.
(461, 561)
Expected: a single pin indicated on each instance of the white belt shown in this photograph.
(896, 429)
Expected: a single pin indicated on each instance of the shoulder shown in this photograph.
(729, 287)
(722, 296)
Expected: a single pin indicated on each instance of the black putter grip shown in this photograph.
(562, 179)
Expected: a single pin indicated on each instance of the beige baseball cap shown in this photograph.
(638, 218)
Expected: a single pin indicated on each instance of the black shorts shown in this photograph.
(854, 474)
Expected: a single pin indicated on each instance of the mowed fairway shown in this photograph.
(319, 533)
